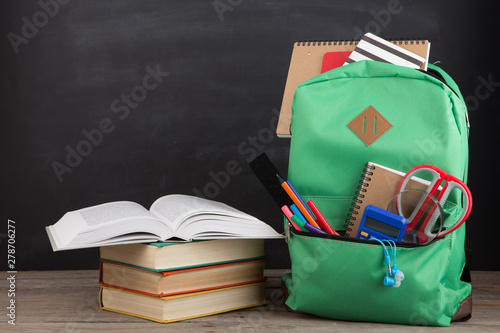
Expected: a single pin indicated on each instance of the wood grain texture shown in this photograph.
(66, 301)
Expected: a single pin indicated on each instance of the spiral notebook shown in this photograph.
(378, 186)
(306, 62)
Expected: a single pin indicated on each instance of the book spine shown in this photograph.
(353, 214)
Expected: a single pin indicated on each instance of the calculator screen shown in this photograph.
(381, 227)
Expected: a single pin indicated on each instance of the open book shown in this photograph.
(172, 216)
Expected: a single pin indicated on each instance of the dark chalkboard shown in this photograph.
(131, 100)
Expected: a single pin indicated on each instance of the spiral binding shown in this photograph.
(359, 195)
(396, 41)
(406, 41)
(326, 42)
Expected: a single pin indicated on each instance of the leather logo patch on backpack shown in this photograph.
(369, 126)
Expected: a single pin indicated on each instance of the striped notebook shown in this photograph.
(375, 48)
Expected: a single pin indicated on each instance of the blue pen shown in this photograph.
(296, 211)
(300, 199)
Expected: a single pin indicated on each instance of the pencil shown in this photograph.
(297, 202)
(321, 219)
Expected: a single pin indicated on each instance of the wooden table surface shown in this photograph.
(66, 301)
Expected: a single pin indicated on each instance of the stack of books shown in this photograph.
(183, 258)
(168, 281)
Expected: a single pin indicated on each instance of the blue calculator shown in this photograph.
(381, 224)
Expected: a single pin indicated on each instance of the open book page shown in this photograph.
(217, 227)
(187, 214)
(115, 221)
(176, 208)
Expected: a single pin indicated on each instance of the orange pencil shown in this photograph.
(297, 202)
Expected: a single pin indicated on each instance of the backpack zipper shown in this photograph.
(435, 74)
(290, 230)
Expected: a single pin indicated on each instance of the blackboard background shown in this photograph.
(227, 62)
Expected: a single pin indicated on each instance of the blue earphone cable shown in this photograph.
(393, 251)
(394, 276)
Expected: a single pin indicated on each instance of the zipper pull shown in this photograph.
(287, 232)
(466, 117)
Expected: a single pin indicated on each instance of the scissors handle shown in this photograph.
(443, 196)
(450, 183)
(424, 200)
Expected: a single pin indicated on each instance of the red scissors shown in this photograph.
(425, 230)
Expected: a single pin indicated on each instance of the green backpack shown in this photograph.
(340, 277)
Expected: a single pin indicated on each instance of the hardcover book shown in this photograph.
(184, 306)
(167, 283)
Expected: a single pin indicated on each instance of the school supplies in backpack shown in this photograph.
(414, 118)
